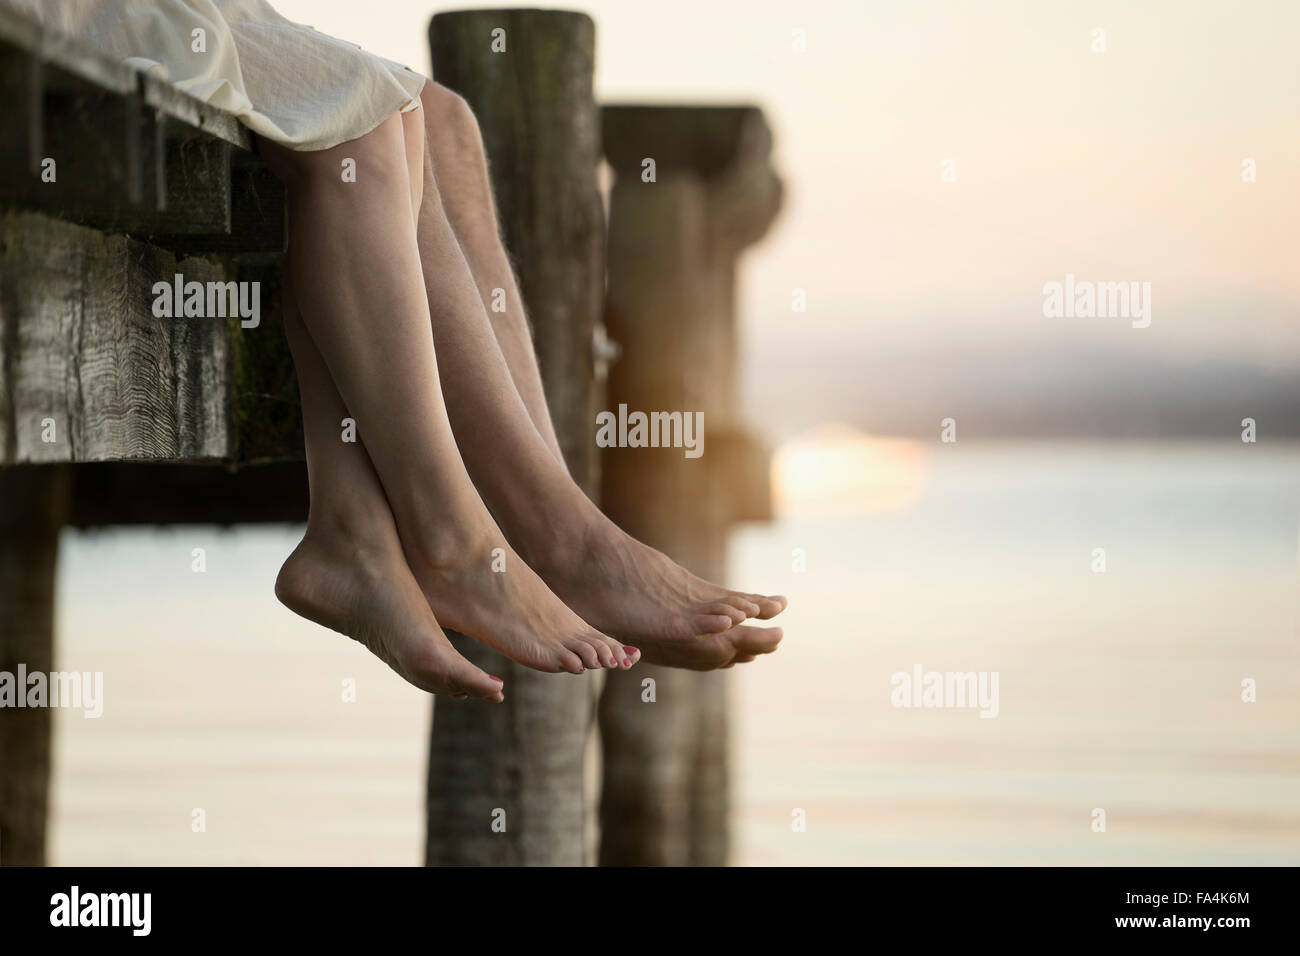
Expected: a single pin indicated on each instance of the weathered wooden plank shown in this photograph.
(193, 114)
(89, 373)
(536, 109)
(181, 184)
(259, 218)
(69, 63)
(117, 167)
(194, 180)
(133, 153)
(92, 143)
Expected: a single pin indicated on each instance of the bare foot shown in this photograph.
(638, 594)
(367, 593)
(486, 591)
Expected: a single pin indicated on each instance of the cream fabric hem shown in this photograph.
(285, 81)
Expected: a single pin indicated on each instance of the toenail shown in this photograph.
(627, 662)
(629, 650)
(497, 679)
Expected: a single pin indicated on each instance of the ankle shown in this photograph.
(557, 542)
(348, 532)
(452, 545)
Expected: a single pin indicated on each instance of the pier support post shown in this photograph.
(527, 74)
(33, 505)
(674, 241)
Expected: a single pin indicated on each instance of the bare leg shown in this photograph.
(355, 272)
(497, 408)
(462, 185)
(349, 573)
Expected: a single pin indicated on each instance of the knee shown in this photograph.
(450, 122)
(445, 106)
(380, 154)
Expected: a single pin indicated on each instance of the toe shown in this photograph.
(622, 658)
(713, 623)
(769, 606)
(571, 662)
(734, 614)
(590, 655)
(598, 646)
(442, 670)
(469, 681)
(611, 651)
(745, 602)
(755, 640)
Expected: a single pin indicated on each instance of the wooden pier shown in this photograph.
(111, 415)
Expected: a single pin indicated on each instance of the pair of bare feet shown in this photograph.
(386, 317)
(588, 595)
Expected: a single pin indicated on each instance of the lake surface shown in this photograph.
(1119, 690)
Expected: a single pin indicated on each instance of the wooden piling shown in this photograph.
(673, 247)
(533, 97)
(35, 501)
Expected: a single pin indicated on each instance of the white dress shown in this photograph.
(285, 81)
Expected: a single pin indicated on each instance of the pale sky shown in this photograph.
(1122, 165)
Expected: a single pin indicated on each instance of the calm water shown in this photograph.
(1118, 690)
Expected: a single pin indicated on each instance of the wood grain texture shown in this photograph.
(79, 347)
(537, 112)
(79, 344)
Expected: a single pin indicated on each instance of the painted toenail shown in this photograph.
(629, 650)
(627, 662)
(497, 679)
